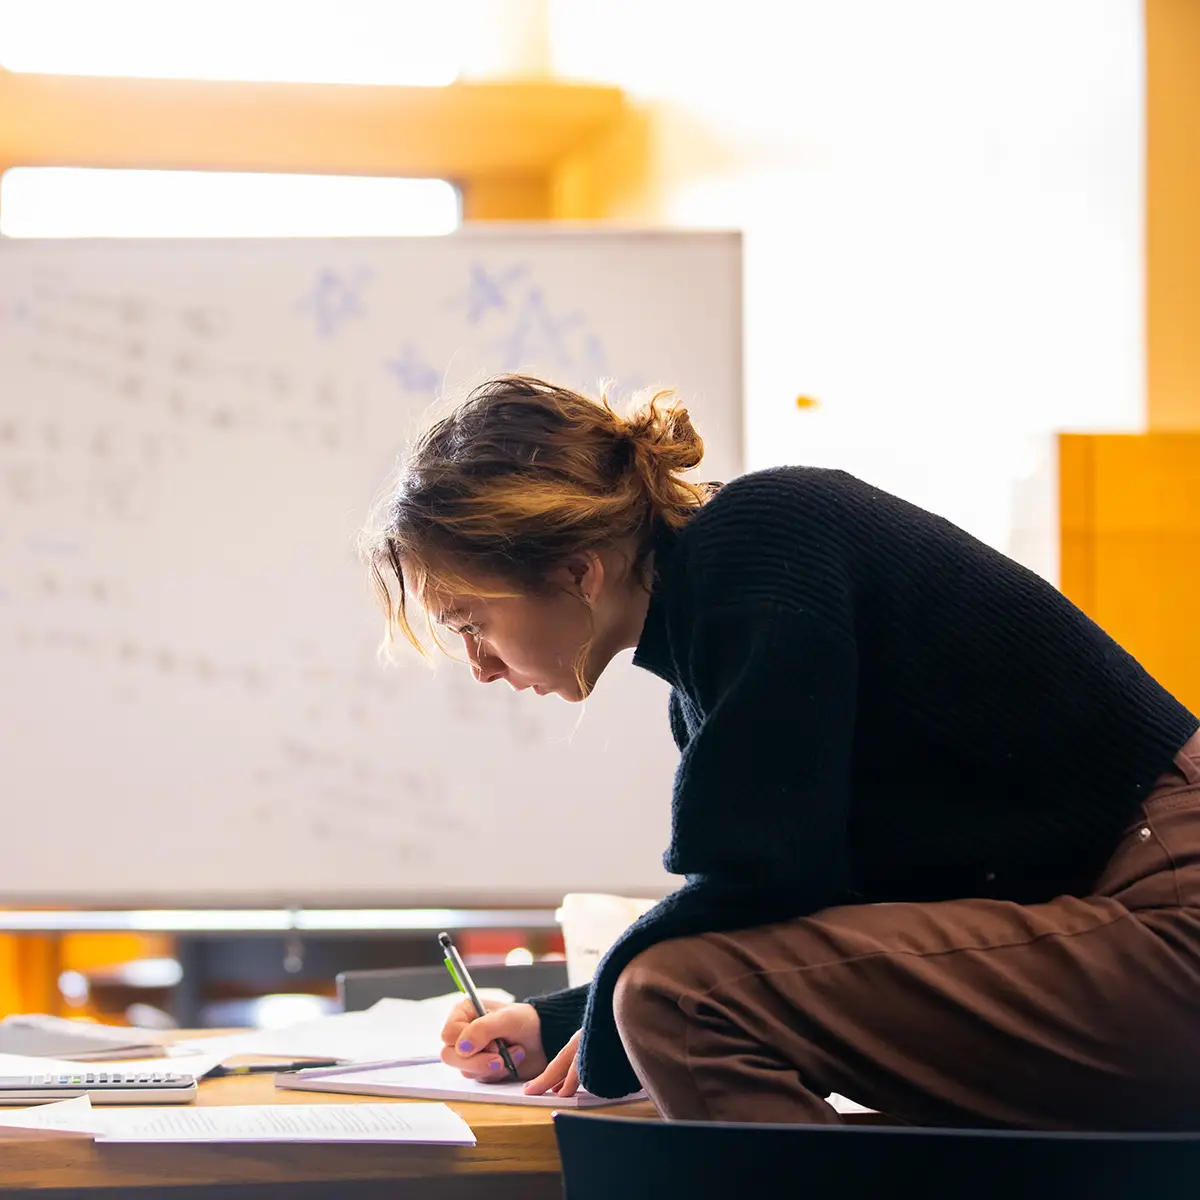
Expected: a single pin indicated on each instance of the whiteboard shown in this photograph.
(192, 710)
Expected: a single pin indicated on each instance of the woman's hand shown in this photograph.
(561, 1076)
(470, 1041)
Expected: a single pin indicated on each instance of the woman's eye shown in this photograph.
(472, 631)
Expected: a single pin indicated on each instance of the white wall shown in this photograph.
(942, 205)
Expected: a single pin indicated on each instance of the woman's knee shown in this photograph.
(649, 989)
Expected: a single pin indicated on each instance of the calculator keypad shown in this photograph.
(106, 1079)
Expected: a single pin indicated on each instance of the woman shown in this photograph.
(940, 834)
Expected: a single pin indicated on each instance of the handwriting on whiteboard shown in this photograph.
(487, 290)
(512, 322)
(335, 297)
(412, 371)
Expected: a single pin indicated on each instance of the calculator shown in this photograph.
(103, 1087)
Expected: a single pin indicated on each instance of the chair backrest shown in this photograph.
(360, 989)
(633, 1159)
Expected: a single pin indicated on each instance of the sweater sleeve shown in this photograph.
(561, 1015)
(761, 804)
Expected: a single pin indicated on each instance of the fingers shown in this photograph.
(570, 1085)
(461, 1015)
(482, 1031)
(485, 1064)
(556, 1072)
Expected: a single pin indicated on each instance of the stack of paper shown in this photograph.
(82, 1041)
(388, 1031)
(431, 1124)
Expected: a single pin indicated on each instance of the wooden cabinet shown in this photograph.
(1129, 507)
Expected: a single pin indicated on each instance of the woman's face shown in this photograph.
(535, 641)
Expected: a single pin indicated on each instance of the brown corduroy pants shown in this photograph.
(1074, 1014)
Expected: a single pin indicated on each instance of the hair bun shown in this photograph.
(664, 439)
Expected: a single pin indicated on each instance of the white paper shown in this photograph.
(124, 1035)
(346, 1045)
(85, 1039)
(426, 1123)
(846, 1107)
(185, 1062)
(390, 1030)
(74, 1116)
(436, 1081)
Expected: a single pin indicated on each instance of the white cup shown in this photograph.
(591, 922)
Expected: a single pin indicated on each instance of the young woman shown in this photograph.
(940, 834)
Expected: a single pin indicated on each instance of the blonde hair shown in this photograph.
(519, 477)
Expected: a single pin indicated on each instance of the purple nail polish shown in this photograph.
(465, 1048)
(495, 1064)
(518, 1055)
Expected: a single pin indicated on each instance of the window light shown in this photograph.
(92, 202)
(305, 41)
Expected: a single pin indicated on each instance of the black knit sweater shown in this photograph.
(870, 705)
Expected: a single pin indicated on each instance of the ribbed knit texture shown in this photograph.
(870, 705)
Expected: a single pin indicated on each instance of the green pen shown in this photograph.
(466, 985)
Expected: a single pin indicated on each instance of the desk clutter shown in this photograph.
(389, 1050)
(390, 1031)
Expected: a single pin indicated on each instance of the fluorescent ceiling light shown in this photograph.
(300, 41)
(92, 202)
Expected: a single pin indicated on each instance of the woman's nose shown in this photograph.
(486, 668)
(487, 674)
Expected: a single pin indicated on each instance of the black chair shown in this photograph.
(360, 989)
(605, 1157)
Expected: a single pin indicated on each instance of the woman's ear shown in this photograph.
(582, 574)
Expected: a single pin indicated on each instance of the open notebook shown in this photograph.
(432, 1081)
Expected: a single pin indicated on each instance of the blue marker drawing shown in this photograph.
(487, 291)
(413, 372)
(538, 335)
(335, 298)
